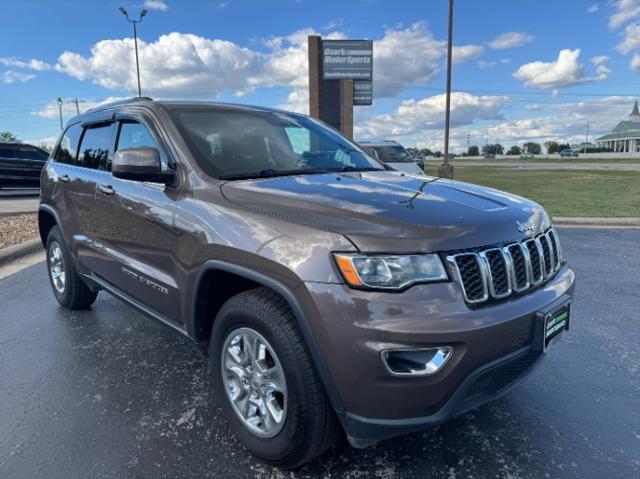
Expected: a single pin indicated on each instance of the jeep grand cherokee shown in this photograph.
(329, 293)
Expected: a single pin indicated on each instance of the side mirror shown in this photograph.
(140, 164)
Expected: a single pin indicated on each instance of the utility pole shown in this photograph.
(143, 12)
(586, 140)
(446, 170)
(60, 112)
(77, 107)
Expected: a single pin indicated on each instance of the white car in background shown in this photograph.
(392, 154)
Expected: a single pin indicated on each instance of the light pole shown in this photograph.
(586, 141)
(446, 170)
(60, 112)
(143, 12)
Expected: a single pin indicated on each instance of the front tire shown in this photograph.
(67, 286)
(266, 383)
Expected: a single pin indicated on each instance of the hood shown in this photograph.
(406, 167)
(391, 212)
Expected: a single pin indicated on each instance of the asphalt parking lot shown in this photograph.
(109, 393)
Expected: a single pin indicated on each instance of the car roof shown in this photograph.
(14, 144)
(380, 143)
(173, 104)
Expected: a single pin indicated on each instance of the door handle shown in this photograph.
(65, 178)
(106, 189)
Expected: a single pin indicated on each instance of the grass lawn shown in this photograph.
(573, 193)
(516, 159)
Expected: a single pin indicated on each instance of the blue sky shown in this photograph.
(525, 70)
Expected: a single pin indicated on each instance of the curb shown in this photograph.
(612, 223)
(18, 251)
(19, 212)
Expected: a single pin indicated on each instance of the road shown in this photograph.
(22, 200)
(109, 393)
(520, 165)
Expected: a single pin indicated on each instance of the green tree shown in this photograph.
(514, 150)
(496, 149)
(7, 137)
(552, 147)
(473, 151)
(426, 152)
(533, 148)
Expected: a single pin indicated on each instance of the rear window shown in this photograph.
(68, 147)
(6, 151)
(31, 153)
(393, 154)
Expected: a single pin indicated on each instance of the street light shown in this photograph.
(446, 170)
(135, 39)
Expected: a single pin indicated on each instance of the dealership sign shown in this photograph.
(362, 92)
(350, 60)
(347, 59)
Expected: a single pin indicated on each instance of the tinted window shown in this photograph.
(94, 149)
(136, 135)
(237, 143)
(68, 147)
(6, 151)
(30, 153)
(393, 154)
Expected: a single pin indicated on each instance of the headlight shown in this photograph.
(389, 271)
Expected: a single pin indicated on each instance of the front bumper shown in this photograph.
(492, 350)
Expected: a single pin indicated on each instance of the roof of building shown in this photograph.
(625, 129)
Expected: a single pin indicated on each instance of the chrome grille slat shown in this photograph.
(497, 273)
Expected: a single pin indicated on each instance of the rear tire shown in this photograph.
(67, 286)
(310, 425)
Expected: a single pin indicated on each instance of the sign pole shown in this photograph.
(446, 170)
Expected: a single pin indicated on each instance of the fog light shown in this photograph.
(416, 362)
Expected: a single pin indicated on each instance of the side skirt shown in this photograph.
(99, 283)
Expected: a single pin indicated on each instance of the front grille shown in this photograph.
(499, 272)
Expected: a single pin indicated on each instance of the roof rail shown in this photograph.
(126, 101)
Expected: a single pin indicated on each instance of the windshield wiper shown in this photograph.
(270, 173)
(348, 168)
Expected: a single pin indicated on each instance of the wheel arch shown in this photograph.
(47, 219)
(252, 279)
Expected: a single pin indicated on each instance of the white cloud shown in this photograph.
(46, 143)
(510, 40)
(635, 62)
(565, 71)
(11, 76)
(155, 5)
(624, 10)
(50, 110)
(405, 57)
(493, 63)
(33, 64)
(631, 39)
(463, 53)
(415, 116)
(593, 8)
(333, 24)
(298, 101)
(180, 64)
(175, 64)
(565, 122)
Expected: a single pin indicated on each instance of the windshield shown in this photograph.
(231, 143)
(393, 154)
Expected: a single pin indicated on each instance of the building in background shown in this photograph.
(625, 137)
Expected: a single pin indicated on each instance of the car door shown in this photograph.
(94, 150)
(62, 174)
(136, 233)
